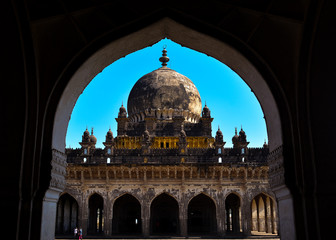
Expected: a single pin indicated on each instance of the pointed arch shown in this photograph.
(66, 215)
(105, 55)
(233, 213)
(96, 206)
(126, 218)
(202, 215)
(164, 212)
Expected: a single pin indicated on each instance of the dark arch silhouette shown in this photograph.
(126, 216)
(202, 216)
(67, 214)
(96, 206)
(164, 215)
(232, 208)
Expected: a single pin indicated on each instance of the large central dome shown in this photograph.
(164, 94)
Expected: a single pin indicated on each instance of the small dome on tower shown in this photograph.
(219, 136)
(235, 138)
(242, 135)
(206, 112)
(122, 111)
(109, 136)
(93, 139)
(86, 136)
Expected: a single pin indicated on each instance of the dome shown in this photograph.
(122, 111)
(93, 139)
(86, 136)
(235, 138)
(206, 112)
(109, 136)
(164, 94)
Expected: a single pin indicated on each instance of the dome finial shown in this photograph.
(164, 59)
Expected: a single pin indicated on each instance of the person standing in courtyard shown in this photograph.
(80, 233)
(75, 232)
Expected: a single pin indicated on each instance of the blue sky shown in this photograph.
(229, 98)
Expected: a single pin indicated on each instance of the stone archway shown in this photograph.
(126, 216)
(167, 28)
(232, 210)
(96, 206)
(202, 216)
(164, 212)
(67, 214)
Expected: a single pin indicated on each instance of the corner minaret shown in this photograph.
(109, 143)
(206, 121)
(219, 142)
(122, 121)
(239, 141)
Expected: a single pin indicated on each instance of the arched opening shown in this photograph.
(66, 215)
(192, 39)
(96, 220)
(232, 209)
(164, 213)
(126, 216)
(202, 216)
(263, 212)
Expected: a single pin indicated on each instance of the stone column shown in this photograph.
(268, 216)
(85, 215)
(220, 215)
(285, 207)
(183, 217)
(145, 218)
(246, 216)
(283, 195)
(107, 216)
(49, 204)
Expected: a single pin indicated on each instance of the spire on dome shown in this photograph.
(164, 59)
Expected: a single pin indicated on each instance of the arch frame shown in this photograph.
(168, 28)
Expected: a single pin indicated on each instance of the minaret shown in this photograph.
(206, 121)
(239, 141)
(122, 121)
(109, 143)
(219, 142)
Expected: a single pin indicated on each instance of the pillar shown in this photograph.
(183, 217)
(84, 218)
(285, 207)
(220, 215)
(107, 216)
(57, 185)
(145, 218)
(246, 216)
(49, 212)
(268, 216)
